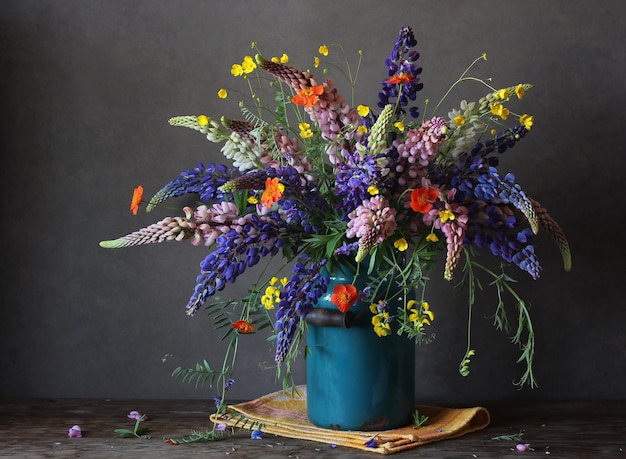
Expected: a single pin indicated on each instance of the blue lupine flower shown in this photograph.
(297, 299)
(205, 181)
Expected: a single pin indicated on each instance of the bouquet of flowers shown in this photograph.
(321, 181)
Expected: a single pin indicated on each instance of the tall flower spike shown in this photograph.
(203, 124)
(295, 78)
(378, 137)
(552, 227)
(168, 229)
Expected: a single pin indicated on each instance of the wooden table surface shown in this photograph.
(37, 428)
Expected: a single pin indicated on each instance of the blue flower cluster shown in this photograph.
(403, 59)
(302, 202)
(488, 198)
(354, 177)
(297, 299)
(205, 181)
(234, 252)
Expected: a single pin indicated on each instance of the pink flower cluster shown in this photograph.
(372, 222)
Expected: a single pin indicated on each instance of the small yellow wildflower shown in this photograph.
(422, 317)
(494, 132)
(519, 91)
(399, 125)
(499, 110)
(361, 129)
(446, 215)
(527, 121)
(401, 244)
(282, 59)
(484, 56)
(236, 70)
(305, 130)
(316, 62)
(248, 65)
(272, 294)
(432, 237)
(459, 120)
(381, 324)
(323, 50)
(503, 93)
(222, 93)
(253, 200)
(202, 120)
(363, 110)
(373, 190)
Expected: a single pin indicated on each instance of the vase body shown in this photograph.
(357, 380)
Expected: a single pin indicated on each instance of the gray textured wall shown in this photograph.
(86, 91)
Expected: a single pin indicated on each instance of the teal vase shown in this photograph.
(356, 380)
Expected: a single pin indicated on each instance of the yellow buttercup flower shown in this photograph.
(248, 65)
(282, 59)
(446, 215)
(253, 200)
(373, 190)
(202, 120)
(401, 244)
(363, 110)
(432, 237)
(527, 121)
(519, 91)
(305, 130)
(399, 125)
(503, 93)
(236, 70)
(459, 120)
(222, 93)
(316, 62)
(361, 129)
(323, 50)
(499, 110)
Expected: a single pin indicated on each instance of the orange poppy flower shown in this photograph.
(309, 96)
(422, 198)
(273, 191)
(344, 296)
(243, 326)
(137, 195)
(400, 78)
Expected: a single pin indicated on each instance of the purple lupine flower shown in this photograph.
(402, 60)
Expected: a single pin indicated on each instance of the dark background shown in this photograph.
(87, 87)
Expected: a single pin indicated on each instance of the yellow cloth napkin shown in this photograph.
(284, 413)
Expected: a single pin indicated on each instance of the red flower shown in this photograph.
(400, 78)
(344, 296)
(243, 326)
(309, 96)
(137, 195)
(422, 199)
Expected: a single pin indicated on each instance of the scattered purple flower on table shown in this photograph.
(371, 443)
(137, 416)
(523, 447)
(221, 427)
(75, 432)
